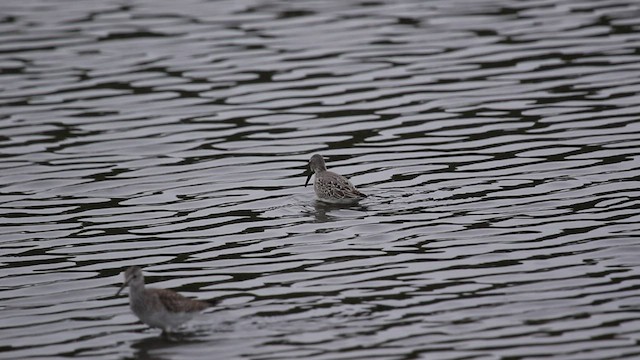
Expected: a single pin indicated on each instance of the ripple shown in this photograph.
(496, 141)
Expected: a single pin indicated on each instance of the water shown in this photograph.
(497, 140)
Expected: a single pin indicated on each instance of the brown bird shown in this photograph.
(159, 308)
(329, 186)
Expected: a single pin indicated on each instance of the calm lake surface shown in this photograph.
(498, 141)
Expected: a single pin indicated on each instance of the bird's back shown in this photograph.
(333, 187)
(176, 303)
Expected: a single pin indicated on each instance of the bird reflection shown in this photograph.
(151, 348)
(145, 348)
(322, 210)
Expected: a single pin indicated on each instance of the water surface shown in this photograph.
(497, 140)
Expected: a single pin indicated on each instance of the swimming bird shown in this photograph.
(159, 308)
(329, 186)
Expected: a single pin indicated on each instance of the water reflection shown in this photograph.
(497, 140)
(325, 212)
(152, 347)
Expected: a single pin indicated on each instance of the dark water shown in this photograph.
(499, 142)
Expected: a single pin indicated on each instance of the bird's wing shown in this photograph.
(175, 302)
(337, 186)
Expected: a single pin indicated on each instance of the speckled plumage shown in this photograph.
(159, 308)
(329, 186)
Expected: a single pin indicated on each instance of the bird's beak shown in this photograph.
(122, 287)
(308, 177)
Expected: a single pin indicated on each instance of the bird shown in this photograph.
(159, 308)
(329, 186)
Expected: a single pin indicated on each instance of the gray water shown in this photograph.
(498, 141)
